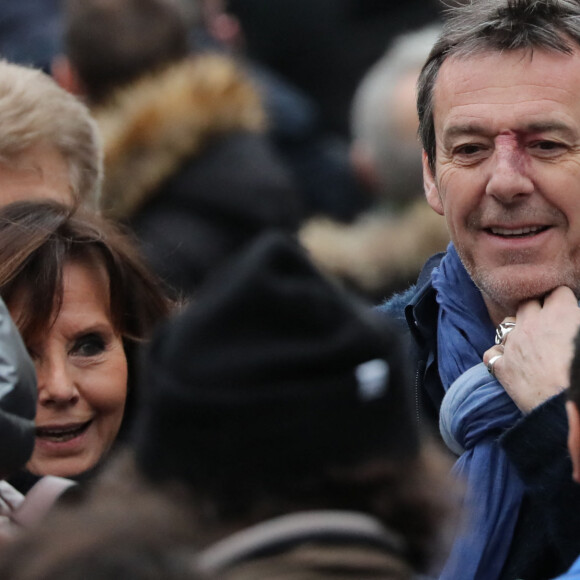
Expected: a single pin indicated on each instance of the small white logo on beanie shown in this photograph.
(373, 379)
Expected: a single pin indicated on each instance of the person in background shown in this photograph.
(492, 321)
(49, 144)
(573, 413)
(83, 300)
(384, 249)
(317, 160)
(141, 536)
(188, 165)
(324, 47)
(279, 482)
(386, 150)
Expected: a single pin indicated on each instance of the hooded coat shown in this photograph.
(189, 169)
(381, 252)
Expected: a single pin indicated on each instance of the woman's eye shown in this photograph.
(88, 345)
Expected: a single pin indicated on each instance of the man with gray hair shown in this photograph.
(386, 150)
(49, 144)
(500, 128)
(383, 251)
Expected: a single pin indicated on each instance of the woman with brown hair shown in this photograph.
(82, 299)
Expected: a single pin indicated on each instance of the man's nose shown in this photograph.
(508, 180)
(56, 385)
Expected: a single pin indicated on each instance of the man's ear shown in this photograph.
(574, 438)
(431, 191)
(65, 75)
(361, 160)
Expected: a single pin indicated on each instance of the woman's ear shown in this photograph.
(431, 191)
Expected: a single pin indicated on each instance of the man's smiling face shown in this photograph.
(507, 171)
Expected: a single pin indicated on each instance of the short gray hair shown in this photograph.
(494, 25)
(35, 110)
(373, 117)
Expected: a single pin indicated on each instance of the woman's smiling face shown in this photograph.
(82, 377)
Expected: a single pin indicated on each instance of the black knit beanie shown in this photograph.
(272, 373)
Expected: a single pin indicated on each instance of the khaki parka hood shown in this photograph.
(151, 127)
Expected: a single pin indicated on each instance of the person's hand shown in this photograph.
(534, 359)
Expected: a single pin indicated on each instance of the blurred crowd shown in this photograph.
(203, 204)
(192, 162)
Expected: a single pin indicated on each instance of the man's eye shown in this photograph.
(88, 345)
(469, 149)
(547, 145)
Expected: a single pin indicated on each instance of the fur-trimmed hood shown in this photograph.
(151, 127)
(380, 253)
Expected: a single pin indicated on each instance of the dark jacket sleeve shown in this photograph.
(17, 397)
(537, 446)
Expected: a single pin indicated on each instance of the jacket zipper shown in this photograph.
(418, 374)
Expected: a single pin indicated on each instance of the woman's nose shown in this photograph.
(56, 385)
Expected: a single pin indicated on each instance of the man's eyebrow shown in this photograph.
(533, 127)
(463, 129)
(549, 126)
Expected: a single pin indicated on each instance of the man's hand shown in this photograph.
(537, 353)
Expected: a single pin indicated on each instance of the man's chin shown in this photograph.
(509, 291)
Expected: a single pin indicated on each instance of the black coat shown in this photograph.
(212, 206)
(188, 165)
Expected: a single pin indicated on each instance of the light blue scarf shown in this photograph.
(474, 412)
(573, 573)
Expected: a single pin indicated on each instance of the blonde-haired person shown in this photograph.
(49, 143)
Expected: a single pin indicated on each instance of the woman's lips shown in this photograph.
(62, 433)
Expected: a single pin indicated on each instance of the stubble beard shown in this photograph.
(506, 289)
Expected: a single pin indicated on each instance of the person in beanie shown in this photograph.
(281, 407)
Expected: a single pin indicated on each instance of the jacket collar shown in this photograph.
(421, 314)
(422, 310)
(282, 533)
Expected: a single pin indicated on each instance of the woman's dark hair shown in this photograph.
(37, 240)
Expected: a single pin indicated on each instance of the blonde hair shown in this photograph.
(35, 110)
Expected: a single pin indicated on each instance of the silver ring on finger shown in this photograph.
(491, 363)
(502, 330)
